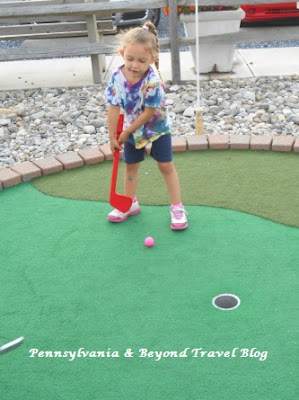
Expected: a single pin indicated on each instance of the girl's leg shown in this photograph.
(131, 179)
(177, 210)
(171, 178)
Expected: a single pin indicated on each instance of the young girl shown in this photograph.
(136, 87)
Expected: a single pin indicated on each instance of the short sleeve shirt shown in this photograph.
(149, 92)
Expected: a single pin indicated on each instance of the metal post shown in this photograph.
(174, 42)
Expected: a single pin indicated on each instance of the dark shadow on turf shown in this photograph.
(259, 183)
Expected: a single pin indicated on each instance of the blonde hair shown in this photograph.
(146, 34)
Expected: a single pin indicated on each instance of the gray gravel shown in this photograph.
(36, 123)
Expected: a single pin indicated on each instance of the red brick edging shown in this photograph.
(22, 172)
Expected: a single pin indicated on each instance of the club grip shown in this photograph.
(120, 125)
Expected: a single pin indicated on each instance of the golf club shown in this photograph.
(11, 345)
(118, 201)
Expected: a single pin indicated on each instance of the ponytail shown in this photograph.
(148, 25)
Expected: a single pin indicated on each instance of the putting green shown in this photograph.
(259, 183)
(71, 280)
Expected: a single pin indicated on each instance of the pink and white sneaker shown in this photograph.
(178, 217)
(118, 216)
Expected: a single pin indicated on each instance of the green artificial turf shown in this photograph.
(71, 280)
(259, 183)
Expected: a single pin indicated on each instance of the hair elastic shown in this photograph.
(145, 27)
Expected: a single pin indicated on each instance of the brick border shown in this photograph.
(22, 172)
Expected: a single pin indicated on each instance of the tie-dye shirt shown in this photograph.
(148, 92)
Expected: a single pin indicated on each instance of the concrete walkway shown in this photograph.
(74, 72)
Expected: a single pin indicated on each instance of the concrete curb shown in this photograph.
(23, 172)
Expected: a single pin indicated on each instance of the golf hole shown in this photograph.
(226, 301)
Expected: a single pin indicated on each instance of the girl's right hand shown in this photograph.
(115, 145)
(113, 115)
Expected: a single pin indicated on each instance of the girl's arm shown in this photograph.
(113, 114)
(142, 119)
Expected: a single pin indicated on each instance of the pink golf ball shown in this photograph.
(149, 241)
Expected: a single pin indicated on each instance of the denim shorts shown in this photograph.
(161, 151)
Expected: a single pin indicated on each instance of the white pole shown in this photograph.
(198, 109)
(197, 51)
